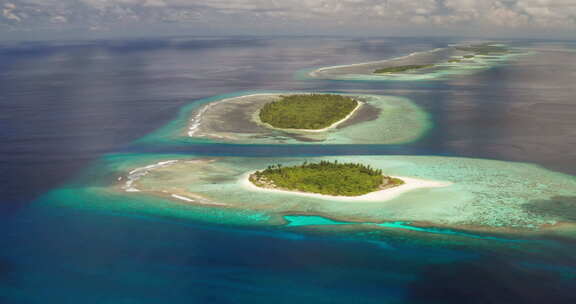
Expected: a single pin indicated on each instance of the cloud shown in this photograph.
(7, 12)
(507, 14)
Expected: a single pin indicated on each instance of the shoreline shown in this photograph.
(182, 181)
(410, 184)
(383, 61)
(194, 122)
(234, 119)
(359, 104)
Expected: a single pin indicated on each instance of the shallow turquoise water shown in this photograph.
(482, 192)
(299, 220)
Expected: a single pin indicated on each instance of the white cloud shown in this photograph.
(58, 19)
(8, 14)
(514, 14)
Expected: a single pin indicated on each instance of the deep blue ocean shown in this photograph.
(64, 105)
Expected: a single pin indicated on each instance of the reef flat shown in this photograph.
(434, 64)
(469, 194)
(234, 119)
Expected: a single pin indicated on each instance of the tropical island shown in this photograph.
(484, 49)
(374, 119)
(442, 192)
(308, 111)
(328, 178)
(449, 61)
(403, 68)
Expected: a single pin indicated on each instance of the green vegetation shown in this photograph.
(331, 178)
(403, 68)
(313, 111)
(484, 49)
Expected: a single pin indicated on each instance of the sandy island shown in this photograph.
(410, 184)
(378, 120)
(359, 104)
(196, 120)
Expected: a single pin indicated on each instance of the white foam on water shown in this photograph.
(198, 200)
(138, 173)
(197, 118)
(180, 197)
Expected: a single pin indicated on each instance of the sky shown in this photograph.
(479, 18)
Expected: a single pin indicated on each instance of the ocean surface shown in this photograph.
(69, 106)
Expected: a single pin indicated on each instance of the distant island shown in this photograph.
(403, 68)
(484, 49)
(328, 178)
(438, 63)
(307, 111)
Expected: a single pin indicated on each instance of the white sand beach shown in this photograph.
(196, 199)
(196, 120)
(410, 184)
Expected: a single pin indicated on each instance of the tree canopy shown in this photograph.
(307, 111)
(484, 49)
(331, 178)
(403, 68)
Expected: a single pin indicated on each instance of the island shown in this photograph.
(325, 177)
(299, 117)
(484, 49)
(403, 68)
(308, 111)
(438, 63)
(355, 192)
